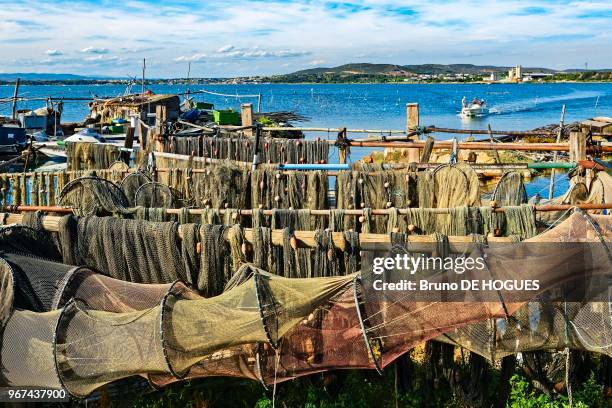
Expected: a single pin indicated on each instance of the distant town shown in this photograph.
(354, 73)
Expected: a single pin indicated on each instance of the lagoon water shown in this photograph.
(376, 106)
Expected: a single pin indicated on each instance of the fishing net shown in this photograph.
(241, 149)
(510, 190)
(88, 156)
(455, 185)
(600, 190)
(222, 186)
(131, 183)
(312, 323)
(143, 252)
(91, 195)
(43, 188)
(165, 339)
(577, 193)
(551, 321)
(27, 240)
(155, 195)
(119, 166)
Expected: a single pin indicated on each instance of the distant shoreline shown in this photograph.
(99, 83)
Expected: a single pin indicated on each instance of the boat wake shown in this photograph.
(536, 104)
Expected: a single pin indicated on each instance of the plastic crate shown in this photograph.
(204, 105)
(226, 117)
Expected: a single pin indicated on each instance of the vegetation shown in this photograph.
(353, 388)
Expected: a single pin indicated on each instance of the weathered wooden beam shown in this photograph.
(246, 113)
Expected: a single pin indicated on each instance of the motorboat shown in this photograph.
(477, 107)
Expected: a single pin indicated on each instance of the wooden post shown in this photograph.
(495, 152)
(551, 189)
(144, 68)
(577, 146)
(15, 94)
(160, 123)
(412, 116)
(258, 103)
(129, 137)
(342, 149)
(429, 143)
(246, 112)
(412, 122)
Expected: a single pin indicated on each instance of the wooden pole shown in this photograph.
(496, 154)
(544, 147)
(412, 123)
(577, 146)
(324, 213)
(129, 137)
(15, 94)
(246, 113)
(551, 190)
(258, 103)
(342, 149)
(144, 67)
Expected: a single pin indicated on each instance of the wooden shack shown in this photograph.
(128, 106)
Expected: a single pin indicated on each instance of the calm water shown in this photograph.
(378, 106)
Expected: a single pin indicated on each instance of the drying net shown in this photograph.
(43, 188)
(131, 183)
(314, 324)
(271, 150)
(142, 252)
(91, 195)
(554, 320)
(89, 156)
(165, 339)
(28, 240)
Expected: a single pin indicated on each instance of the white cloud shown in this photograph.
(53, 53)
(102, 58)
(190, 58)
(501, 32)
(94, 50)
(225, 48)
(256, 52)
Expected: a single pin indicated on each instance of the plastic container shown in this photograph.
(226, 117)
(204, 105)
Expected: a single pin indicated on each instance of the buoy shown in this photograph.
(389, 204)
(386, 184)
(362, 219)
(411, 227)
(293, 242)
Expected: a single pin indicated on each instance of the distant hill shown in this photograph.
(393, 69)
(32, 76)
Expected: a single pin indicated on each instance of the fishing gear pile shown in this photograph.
(311, 325)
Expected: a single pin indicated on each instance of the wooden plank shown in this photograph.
(246, 113)
(577, 146)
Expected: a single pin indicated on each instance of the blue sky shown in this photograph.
(250, 37)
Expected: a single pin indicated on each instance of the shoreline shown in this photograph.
(26, 83)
